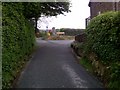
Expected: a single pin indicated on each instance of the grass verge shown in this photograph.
(86, 64)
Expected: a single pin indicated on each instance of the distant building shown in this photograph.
(54, 31)
(87, 20)
(97, 8)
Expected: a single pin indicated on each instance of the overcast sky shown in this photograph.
(74, 19)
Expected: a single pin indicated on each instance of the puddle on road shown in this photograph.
(78, 82)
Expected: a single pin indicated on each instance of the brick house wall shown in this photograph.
(118, 6)
(97, 8)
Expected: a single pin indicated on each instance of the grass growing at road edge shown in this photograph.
(86, 64)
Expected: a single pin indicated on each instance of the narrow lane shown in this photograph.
(54, 66)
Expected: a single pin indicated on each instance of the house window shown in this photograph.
(99, 12)
(117, 6)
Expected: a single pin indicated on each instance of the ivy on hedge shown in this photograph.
(103, 38)
(17, 41)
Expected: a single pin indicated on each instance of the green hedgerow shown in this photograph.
(17, 41)
(103, 38)
(103, 34)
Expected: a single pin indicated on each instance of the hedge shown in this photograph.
(103, 38)
(72, 32)
(17, 41)
(80, 38)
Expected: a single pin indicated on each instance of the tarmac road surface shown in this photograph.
(53, 65)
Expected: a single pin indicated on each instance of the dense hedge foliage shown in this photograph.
(103, 38)
(80, 37)
(17, 40)
(104, 35)
(71, 32)
(0, 47)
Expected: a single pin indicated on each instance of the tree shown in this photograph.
(38, 9)
(34, 10)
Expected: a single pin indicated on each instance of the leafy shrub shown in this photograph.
(103, 38)
(80, 37)
(17, 41)
(72, 32)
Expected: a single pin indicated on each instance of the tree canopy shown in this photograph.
(37, 9)
(34, 10)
